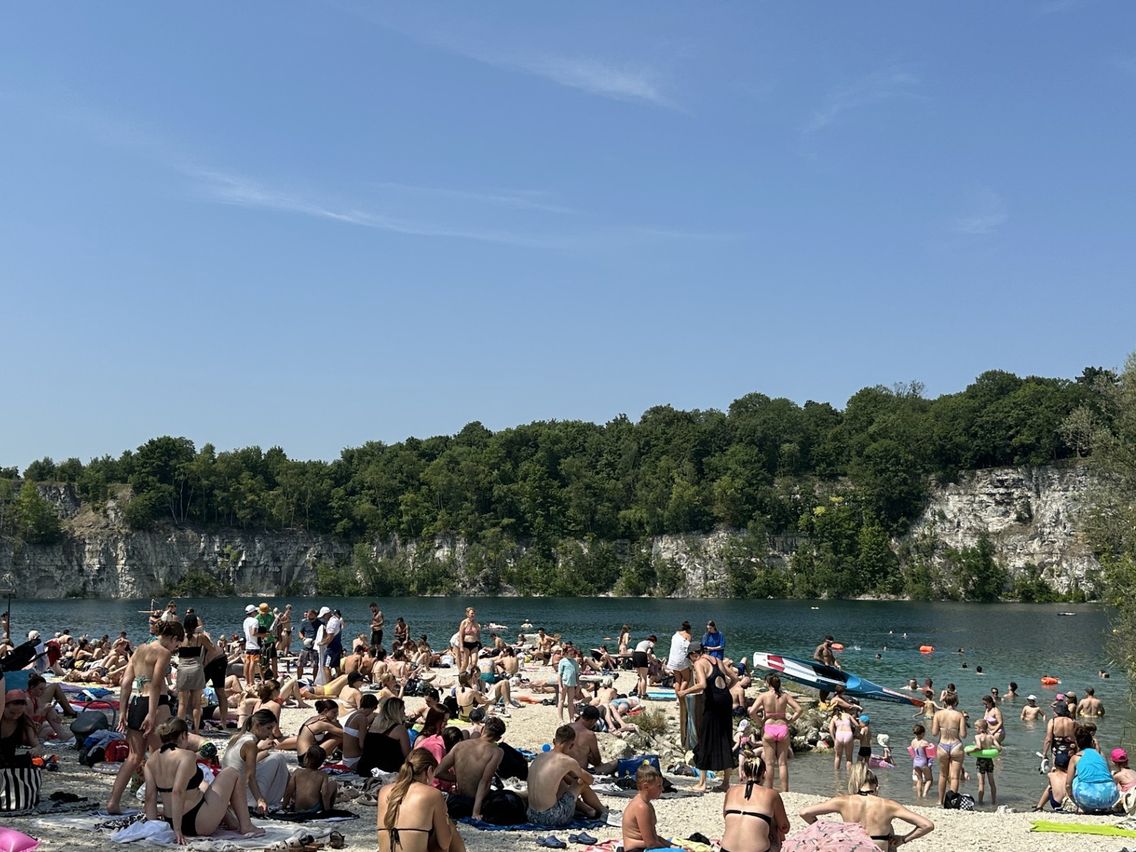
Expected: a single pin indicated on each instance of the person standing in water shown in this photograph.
(773, 705)
(949, 725)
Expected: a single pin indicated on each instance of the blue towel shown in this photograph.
(576, 824)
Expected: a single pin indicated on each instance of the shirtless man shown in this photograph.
(1090, 705)
(555, 783)
(824, 653)
(585, 750)
(1031, 712)
(377, 622)
(471, 765)
(949, 725)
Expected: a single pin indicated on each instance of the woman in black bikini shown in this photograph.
(412, 813)
(387, 742)
(864, 805)
(754, 814)
(190, 810)
(469, 641)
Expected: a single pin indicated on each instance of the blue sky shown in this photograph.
(313, 225)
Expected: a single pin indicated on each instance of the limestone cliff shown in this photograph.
(1030, 514)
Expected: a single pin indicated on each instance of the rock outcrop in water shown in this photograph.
(1030, 515)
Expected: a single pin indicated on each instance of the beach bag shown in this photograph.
(630, 765)
(504, 807)
(116, 751)
(87, 722)
(19, 787)
(513, 763)
(958, 801)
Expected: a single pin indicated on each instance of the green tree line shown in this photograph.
(764, 465)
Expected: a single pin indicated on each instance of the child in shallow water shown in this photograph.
(982, 741)
(922, 776)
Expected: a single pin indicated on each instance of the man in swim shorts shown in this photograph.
(555, 782)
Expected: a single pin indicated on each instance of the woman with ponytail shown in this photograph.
(774, 705)
(191, 808)
(412, 814)
(754, 814)
(264, 773)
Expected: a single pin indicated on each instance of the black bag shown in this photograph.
(504, 807)
(958, 801)
(86, 723)
(513, 765)
(19, 657)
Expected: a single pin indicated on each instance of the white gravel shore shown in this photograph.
(532, 726)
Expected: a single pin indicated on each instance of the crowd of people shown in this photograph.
(446, 760)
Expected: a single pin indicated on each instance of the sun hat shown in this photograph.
(250, 608)
(1119, 755)
(1031, 698)
(324, 610)
(33, 635)
(883, 740)
(1060, 696)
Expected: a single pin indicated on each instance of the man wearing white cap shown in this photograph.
(252, 645)
(323, 639)
(41, 651)
(1031, 712)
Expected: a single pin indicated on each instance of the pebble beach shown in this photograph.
(530, 727)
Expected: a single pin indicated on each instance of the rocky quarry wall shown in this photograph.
(1030, 514)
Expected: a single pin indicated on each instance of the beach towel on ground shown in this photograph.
(825, 836)
(576, 825)
(1100, 828)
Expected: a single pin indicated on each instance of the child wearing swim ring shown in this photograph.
(984, 740)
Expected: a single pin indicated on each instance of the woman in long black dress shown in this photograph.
(714, 751)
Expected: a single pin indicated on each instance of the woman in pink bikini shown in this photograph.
(772, 705)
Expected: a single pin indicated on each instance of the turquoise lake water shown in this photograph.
(1012, 642)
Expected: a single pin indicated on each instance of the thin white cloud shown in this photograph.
(516, 199)
(883, 85)
(596, 77)
(241, 191)
(1057, 7)
(623, 81)
(989, 214)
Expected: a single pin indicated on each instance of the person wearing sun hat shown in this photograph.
(1031, 712)
(250, 627)
(1124, 777)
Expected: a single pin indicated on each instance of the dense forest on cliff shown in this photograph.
(575, 493)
